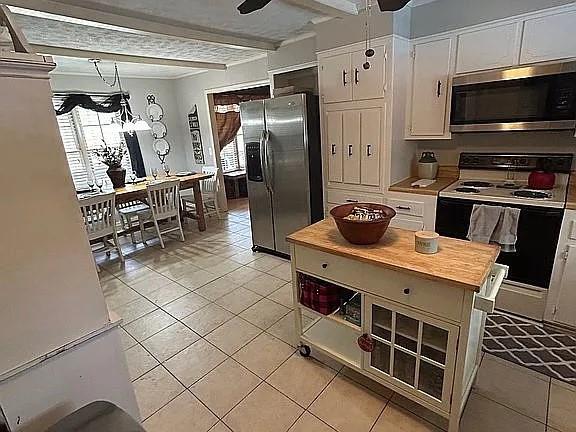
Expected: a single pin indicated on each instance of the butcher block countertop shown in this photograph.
(404, 186)
(571, 200)
(458, 262)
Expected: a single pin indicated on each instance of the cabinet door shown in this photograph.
(414, 352)
(491, 48)
(566, 306)
(351, 135)
(370, 127)
(430, 88)
(334, 135)
(549, 38)
(369, 83)
(336, 78)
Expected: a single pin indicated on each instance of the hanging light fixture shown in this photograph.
(127, 122)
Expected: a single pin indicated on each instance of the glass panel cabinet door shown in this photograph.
(411, 350)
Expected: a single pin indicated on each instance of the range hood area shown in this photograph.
(536, 97)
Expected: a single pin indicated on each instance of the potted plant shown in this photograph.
(112, 157)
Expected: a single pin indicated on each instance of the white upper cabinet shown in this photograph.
(369, 83)
(334, 138)
(336, 78)
(549, 38)
(429, 97)
(345, 79)
(490, 48)
(370, 127)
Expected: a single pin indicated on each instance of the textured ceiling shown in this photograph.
(68, 65)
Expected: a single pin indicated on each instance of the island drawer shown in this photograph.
(419, 293)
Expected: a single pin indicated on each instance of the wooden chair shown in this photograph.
(164, 202)
(210, 188)
(99, 217)
(128, 212)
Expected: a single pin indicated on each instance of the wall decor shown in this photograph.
(155, 113)
(197, 147)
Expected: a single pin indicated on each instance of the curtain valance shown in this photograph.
(105, 103)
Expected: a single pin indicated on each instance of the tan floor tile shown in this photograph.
(264, 410)
(266, 263)
(218, 288)
(367, 382)
(225, 386)
(178, 269)
(117, 293)
(518, 388)
(207, 319)
(224, 267)
(183, 414)
(482, 415)
(139, 361)
(264, 284)
(167, 293)
(233, 335)
(192, 363)
(285, 329)
(154, 390)
(170, 341)
(135, 309)
(137, 275)
(149, 324)
(244, 275)
(264, 313)
(126, 340)
(562, 412)
(229, 251)
(283, 271)
(283, 296)
(309, 423)
(397, 419)
(120, 268)
(264, 354)
(196, 279)
(220, 427)
(150, 284)
(238, 300)
(245, 257)
(301, 379)
(247, 243)
(185, 305)
(348, 406)
(417, 409)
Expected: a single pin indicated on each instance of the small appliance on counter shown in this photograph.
(428, 166)
(542, 180)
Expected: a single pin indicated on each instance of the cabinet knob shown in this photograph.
(333, 149)
(407, 291)
(369, 150)
(324, 265)
(356, 72)
(350, 150)
(439, 89)
(344, 73)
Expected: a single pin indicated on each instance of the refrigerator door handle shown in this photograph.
(264, 157)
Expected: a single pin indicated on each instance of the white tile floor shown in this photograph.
(208, 334)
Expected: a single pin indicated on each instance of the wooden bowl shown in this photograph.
(362, 232)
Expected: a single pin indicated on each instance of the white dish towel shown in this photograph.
(494, 224)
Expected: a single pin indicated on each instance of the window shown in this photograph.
(232, 156)
(82, 132)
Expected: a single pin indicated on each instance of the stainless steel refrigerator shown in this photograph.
(283, 166)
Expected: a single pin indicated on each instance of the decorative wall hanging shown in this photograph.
(197, 147)
(159, 131)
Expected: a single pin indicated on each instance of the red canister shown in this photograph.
(541, 180)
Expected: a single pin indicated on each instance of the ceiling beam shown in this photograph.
(333, 8)
(124, 58)
(141, 23)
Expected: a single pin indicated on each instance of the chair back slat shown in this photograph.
(98, 213)
(210, 185)
(164, 199)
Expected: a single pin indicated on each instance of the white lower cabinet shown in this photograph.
(411, 350)
(370, 124)
(351, 140)
(413, 212)
(334, 137)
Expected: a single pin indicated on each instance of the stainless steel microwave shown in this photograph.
(539, 97)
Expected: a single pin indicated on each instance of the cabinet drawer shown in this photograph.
(413, 208)
(418, 293)
(410, 223)
(345, 197)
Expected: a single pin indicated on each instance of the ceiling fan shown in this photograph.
(249, 6)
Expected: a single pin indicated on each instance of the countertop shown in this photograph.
(571, 200)
(458, 262)
(404, 186)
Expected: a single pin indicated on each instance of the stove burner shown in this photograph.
(531, 194)
(476, 184)
(508, 186)
(467, 190)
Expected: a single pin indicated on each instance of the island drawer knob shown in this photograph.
(407, 291)
(324, 265)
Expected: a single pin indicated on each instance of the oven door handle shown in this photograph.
(486, 302)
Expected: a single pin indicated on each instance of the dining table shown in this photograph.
(137, 191)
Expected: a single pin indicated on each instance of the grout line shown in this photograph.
(507, 407)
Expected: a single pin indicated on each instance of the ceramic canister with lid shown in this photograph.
(427, 166)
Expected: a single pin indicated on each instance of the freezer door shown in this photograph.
(253, 128)
(288, 166)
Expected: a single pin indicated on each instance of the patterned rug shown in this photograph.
(534, 346)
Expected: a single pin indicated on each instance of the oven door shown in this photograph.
(538, 233)
(534, 103)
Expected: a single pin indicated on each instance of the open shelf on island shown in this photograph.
(334, 316)
(338, 340)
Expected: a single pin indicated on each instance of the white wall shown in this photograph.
(139, 88)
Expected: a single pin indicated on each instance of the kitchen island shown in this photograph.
(410, 321)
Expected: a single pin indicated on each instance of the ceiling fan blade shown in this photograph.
(392, 5)
(250, 6)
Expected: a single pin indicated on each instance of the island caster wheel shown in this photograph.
(254, 248)
(304, 350)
